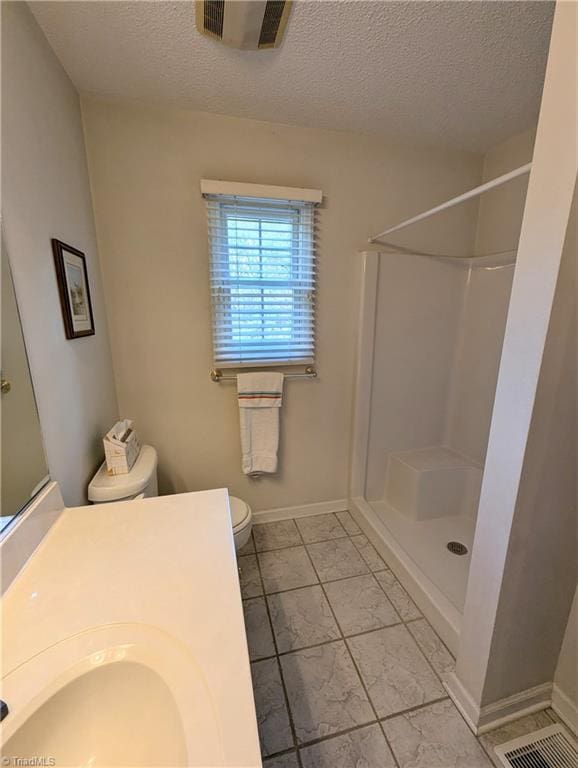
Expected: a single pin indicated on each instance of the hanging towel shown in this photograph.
(260, 396)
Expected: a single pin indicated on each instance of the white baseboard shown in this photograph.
(303, 510)
(482, 719)
(565, 708)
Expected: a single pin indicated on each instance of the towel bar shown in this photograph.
(309, 373)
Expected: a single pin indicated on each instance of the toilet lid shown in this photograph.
(239, 511)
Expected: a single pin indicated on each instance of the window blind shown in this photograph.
(263, 280)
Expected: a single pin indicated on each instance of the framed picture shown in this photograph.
(74, 292)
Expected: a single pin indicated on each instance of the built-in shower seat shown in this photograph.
(427, 483)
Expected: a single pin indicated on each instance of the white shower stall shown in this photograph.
(464, 374)
(431, 333)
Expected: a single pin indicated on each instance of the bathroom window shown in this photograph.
(263, 277)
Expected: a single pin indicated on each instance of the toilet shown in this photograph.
(141, 482)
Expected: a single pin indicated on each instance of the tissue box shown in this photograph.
(121, 448)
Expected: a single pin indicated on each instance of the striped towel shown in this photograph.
(260, 396)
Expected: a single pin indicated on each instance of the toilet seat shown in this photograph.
(240, 513)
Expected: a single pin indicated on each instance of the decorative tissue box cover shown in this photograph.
(121, 447)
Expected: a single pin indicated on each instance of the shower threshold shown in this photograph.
(417, 552)
(426, 542)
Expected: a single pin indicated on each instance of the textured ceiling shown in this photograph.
(464, 75)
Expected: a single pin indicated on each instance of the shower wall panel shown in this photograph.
(417, 321)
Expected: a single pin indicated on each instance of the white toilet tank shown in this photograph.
(140, 482)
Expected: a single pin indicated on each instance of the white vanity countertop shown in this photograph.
(167, 562)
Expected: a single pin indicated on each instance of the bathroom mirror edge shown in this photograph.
(24, 466)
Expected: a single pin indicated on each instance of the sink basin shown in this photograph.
(123, 640)
(119, 695)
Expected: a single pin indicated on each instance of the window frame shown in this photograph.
(300, 286)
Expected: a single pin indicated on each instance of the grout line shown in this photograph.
(388, 742)
(344, 635)
(295, 520)
(341, 578)
(369, 544)
(343, 638)
(344, 732)
(329, 642)
(282, 753)
(405, 621)
(285, 696)
(420, 650)
(415, 709)
(376, 721)
(363, 685)
(355, 667)
(336, 521)
(423, 618)
(486, 750)
(380, 722)
(302, 544)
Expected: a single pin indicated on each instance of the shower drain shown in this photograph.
(457, 548)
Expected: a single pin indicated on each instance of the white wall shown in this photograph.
(45, 194)
(145, 166)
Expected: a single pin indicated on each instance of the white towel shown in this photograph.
(259, 396)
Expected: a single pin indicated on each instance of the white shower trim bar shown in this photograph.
(474, 258)
(456, 201)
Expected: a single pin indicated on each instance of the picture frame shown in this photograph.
(74, 290)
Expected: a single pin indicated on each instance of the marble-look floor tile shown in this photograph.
(288, 760)
(402, 602)
(513, 730)
(320, 528)
(325, 692)
(286, 569)
(434, 737)
(272, 716)
(362, 748)
(248, 548)
(282, 533)
(258, 629)
(348, 523)
(302, 617)
(394, 670)
(249, 576)
(337, 559)
(360, 605)
(433, 648)
(369, 553)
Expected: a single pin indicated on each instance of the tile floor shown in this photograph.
(346, 671)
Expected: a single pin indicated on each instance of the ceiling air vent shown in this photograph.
(247, 24)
